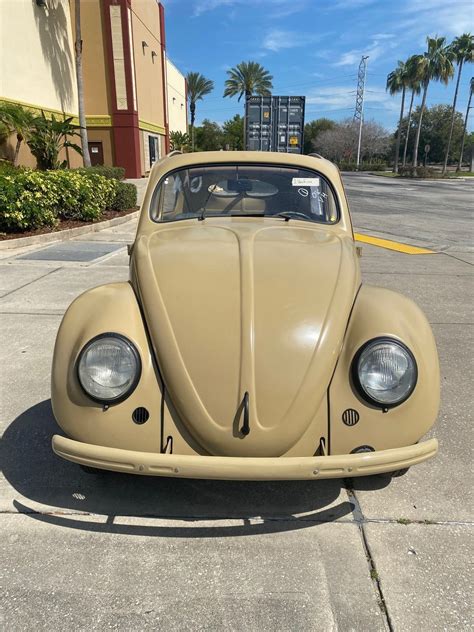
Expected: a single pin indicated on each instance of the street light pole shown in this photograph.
(359, 110)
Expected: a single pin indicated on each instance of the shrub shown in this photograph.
(32, 199)
(7, 168)
(111, 173)
(125, 197)
(27, 201)
(365, 166)
(82, 197)
(418, 172)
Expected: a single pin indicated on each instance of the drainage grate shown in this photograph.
(73, 251)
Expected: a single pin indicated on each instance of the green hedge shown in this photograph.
(125, 196)
(111, 173)
(33, 199)
(419, 172)
(365, 166)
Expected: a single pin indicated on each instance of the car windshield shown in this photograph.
(244, 190)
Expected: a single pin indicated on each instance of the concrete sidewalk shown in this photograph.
(90, 553)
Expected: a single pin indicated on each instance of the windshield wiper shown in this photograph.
(287, 215)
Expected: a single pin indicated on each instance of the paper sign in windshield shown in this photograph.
(305, 182)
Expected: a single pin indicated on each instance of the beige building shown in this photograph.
(37, 66)
(177, 97)
(124, 69)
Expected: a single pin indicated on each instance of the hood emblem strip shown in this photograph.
(244, 429)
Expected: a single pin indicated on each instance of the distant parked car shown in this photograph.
(244, 345)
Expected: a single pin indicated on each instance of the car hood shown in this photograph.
(246, 307)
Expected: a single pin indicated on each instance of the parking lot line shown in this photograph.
(392, 245)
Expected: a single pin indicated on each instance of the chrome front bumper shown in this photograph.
(243, 468)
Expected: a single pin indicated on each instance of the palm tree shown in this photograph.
(179, 141)
(462, 49)
(248, 78)
(17, 120)
(80, 86)
(434, 64)
(397, 82)
(471, 91)
(198, 86)
(413, 82)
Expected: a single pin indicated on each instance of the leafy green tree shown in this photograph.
(209, 136)
(397, 81)
(179, 141)
(198, 86)
(434, 65)
(48, 137)
(233, 130)
(462, 49)
(312, 130)
(413, 82)
(15, 119)
(434, 131)
(247, 78)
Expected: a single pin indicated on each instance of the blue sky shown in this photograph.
(313, 48)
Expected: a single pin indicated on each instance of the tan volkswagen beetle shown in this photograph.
(244, 345)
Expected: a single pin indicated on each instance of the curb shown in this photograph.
(64, 235)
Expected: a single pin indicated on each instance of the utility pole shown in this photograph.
(359, 109)
(469, 106)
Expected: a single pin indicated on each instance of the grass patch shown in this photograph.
(385, 174)
(404, 521)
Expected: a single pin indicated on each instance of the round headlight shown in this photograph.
(385, 372)
(109, 368)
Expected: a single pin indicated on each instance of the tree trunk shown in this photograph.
(399, 133)
(192, 108)
(458, 168)
(448, 147)
(80, 86)
(408, 128)
(19, 138)
(418, 129)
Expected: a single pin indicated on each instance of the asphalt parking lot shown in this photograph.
(81, 552)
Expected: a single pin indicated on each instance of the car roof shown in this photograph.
(177, 160)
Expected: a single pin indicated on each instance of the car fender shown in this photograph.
(379, 312)
(107, 308)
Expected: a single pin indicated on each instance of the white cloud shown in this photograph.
(279, 39)
(276, 8)
(379, 45)
(343, 97)
(438, 16)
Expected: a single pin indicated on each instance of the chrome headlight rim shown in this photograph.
(356, 379)
(133, 385)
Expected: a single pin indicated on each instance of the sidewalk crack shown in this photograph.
(360, 521)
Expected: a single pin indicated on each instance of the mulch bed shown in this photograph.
(65, 224)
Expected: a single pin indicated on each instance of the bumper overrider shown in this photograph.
(243, 468)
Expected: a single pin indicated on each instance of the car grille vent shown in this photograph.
(140, 415)
(350, 417)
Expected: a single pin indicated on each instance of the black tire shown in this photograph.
(399, 473)
(91, 470)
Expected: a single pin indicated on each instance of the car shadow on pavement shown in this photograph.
(105, 502)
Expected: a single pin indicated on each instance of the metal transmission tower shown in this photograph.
(359, 109)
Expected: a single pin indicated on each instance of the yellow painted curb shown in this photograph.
(392, 245)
